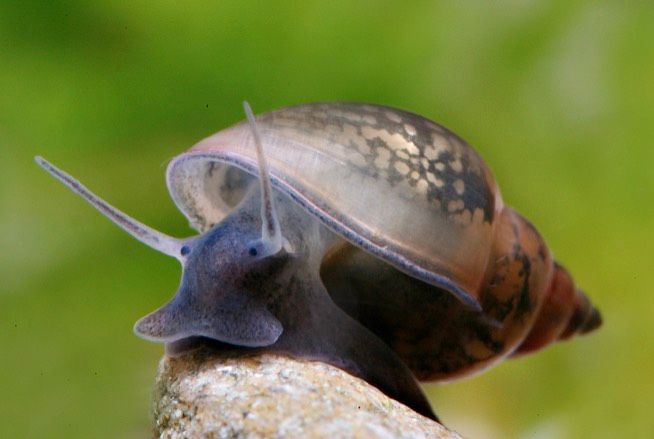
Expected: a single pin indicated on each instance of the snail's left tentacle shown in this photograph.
(271, 236)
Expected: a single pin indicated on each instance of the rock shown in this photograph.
(203, 395)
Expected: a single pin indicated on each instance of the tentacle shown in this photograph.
(271, 235)
(147, 235)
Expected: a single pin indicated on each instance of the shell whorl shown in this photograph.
(394, 183)
(405, 150)
(566, 311)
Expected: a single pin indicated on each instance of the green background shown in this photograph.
(557, 96)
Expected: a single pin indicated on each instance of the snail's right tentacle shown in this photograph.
(147, 235)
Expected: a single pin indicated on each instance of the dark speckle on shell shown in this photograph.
(403, 148)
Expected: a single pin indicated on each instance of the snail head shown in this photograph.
(220, 292)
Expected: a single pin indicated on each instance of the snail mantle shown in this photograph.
(204, 395)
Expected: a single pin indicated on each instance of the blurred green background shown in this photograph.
(558, 97)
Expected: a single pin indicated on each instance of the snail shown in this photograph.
(367, 237)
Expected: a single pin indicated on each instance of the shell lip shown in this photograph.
(341, 228)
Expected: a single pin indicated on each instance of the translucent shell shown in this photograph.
(396, 184)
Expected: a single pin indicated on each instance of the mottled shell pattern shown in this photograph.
(393, 183)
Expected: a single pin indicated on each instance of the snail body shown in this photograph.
(373, 239)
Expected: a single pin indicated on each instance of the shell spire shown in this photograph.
(271, 235)
(147, 235)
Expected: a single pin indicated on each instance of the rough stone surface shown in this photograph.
(266, 396)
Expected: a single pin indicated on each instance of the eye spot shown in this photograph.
(185, 250)
(253, 251)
